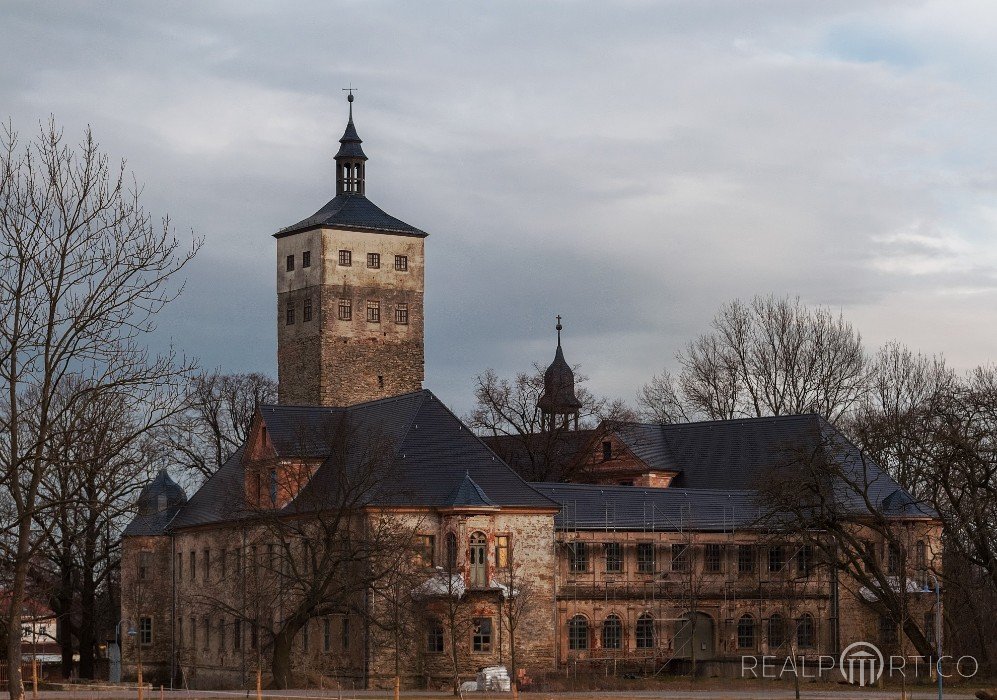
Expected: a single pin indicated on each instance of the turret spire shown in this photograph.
(558, 404)
(350, 160)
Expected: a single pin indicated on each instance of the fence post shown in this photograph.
(259, 683)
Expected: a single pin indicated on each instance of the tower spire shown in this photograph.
(559, 327)
(558, 403)
(350, 160)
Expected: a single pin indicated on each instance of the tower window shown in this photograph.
(401, 263)
(401, 314)
(374, 311)
(345, 310)
(374, 260)
(290, 313)
(306, 259)
(306, 311)
(290, 262)
(346, 258)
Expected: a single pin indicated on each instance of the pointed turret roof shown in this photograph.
(350, 142)
(559, 383)
(469, 495)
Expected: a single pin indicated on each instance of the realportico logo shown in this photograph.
(861, 663)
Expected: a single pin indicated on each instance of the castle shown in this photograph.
(656, 563)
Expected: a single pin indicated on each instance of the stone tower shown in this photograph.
(350, 282)
(559, 406)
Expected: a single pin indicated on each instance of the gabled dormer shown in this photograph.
(272, 479)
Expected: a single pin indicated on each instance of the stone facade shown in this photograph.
(329, 360)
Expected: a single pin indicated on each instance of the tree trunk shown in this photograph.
(88, 614)
(280, 666)
(16, 602)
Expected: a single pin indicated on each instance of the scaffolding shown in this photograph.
(697, 578)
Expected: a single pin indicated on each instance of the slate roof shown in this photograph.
(559, 387)
(352, 211)
(561, 447)
(158, 502)
(432, 458)
(350, 142)
(596, 507)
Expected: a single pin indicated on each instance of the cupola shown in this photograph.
(558, 404)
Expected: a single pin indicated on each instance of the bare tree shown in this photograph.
(768, 357)
(83, 272)
(217, 419)
(508, 412)
(323, 540)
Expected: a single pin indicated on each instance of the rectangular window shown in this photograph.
(887, 630)
(401, 314)
(179, 566)
(869, 556)
(193, 566)
(578, 557)
(481, 637)
(145, 631)
(237, 635)
(345, 310)
(344, 634)
(680, 557)
(289, 313)
(346, 258)
(426, 548)
(222, 564)
(207, 565)
(290, 263)
(607, 450)
(144, 566)
(207, 633)
(894, 560)
(502, 551)
(306, 259)
(306, 310)
(745, 558)
(221, 634)
(373, 312)
(193, 632)
(401, 263)
(374, 260)
(777, 558)
(434, 637)
(614, 557)
(714, 558)
(304, 637)
(645, 558)
(326, 634)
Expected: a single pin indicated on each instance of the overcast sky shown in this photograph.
(630, 165)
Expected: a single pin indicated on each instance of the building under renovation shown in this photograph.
(661, 562)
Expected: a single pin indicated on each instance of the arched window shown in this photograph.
(806, 632)
(777, 631)
(746, 632)
(612, 633)
(645, 631)
(578, 633)
(451, 552)
(479, 562)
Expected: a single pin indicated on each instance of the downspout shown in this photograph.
(173, 611)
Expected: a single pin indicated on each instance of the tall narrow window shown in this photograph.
(289, 312)
(401, 314)
(145, 631)
(612, 633)
(745, 558)
(237, 635)
(502, 551)
(645, 558)
(345, 310)
(221, 634)
(373, 312)
(193, 566)
(273, 487)
(479, 563)
(290, 263)
(344, 634)
(921, 552)
(374, 260)
(481, 636)
(451, 552)
(777, 558)
(614, 557)
(713, 558)
(746, 632)
(645, 631)
(806, 633)
(887, 630)
(144, 566)
(306, 310)
(434, 636)
(207, 565)
(306, 259)
(777, 631)
(207, 632)
(346, 258)
(894, 560)
(680, 557)
(578, 633)
(607, 450)
(805, 561)
(304, 636)
(326, 634)
(578, 557)
(426, 548)
(179, 565)
(401, 263)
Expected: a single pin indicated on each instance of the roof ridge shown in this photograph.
(362, 404)
(722, 421)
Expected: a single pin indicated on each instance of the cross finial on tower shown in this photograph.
(559, 327)
(349, 98)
